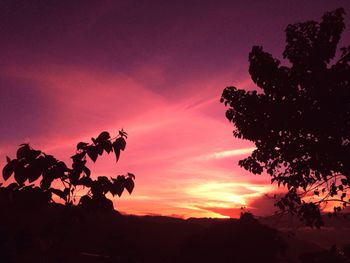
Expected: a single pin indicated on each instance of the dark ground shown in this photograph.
(55, 234)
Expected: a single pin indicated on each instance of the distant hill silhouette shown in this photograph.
(59, 234)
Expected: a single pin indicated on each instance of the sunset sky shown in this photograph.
(71, 69)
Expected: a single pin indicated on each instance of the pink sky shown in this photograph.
(159, 77)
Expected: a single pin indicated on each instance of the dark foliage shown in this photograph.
(300, 119)
(34, 173)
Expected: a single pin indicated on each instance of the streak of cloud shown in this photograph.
(227, 153)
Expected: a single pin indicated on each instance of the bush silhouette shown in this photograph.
(300, 119)
(34, 173)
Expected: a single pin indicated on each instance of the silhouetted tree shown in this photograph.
(300, 119)
(34, 174)
(247, 217)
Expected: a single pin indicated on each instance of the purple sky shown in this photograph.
(71, 69)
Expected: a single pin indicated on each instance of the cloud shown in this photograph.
(227, 153)
(224, 212)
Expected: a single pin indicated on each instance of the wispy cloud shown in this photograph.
(226, 154)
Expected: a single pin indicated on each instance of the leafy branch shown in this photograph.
(34, 173)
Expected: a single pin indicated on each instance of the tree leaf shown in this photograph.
(116, 151)
(117, 186)
(131, 175)
(129, 184)
(86, 181)
(105, 184)
(82, 145)
(8, 169)
(104, 136)
(35, 169)
(120, 143)
(92, 153)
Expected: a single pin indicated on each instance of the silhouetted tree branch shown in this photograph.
(34, 173)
